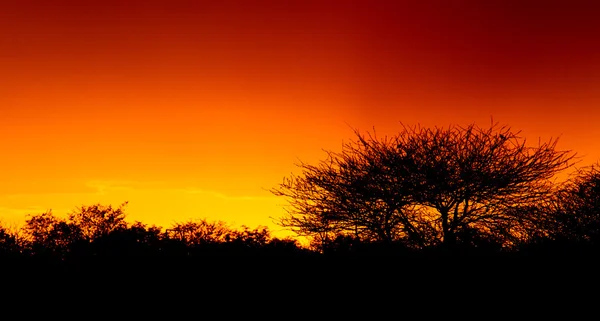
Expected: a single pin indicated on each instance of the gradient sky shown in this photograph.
(194, 109)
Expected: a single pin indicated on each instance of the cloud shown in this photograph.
(223, 196)
(103, 187)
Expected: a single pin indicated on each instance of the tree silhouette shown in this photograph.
(98, 220)
(130, 242)
(9, 242)
(199, 232)
(50, 235)
(425, 186)
(342, 197)
(576, 209)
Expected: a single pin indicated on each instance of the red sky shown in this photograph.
(193, 109)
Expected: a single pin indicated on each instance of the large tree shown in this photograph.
(424, 186)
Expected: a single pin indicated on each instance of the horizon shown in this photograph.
(193, 109)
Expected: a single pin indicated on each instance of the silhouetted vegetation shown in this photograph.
(456, 187)
(425, 192)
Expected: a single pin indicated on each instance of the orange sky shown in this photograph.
(192, 109)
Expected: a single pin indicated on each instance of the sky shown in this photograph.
(195, 109)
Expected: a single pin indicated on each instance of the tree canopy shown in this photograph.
(425, 186)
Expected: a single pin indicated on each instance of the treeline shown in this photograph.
(426, 192)
(100, 232)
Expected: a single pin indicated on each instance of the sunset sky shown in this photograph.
(194, 109)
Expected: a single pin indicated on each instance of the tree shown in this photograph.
(9, 242)
(50, 235)
(576, 208)
(134, 241)
(424, 186)
(343, 197)
(98, 220)
(57, 236)
(199, 232)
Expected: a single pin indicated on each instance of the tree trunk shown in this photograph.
(448, 235)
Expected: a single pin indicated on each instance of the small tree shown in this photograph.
(576, 208)
(9, 242)
(134, 241)
(98, 220)
(199, 232)
(424, 186)
(48, 234)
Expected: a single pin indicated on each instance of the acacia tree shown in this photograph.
(424, 186)
(477, 181)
